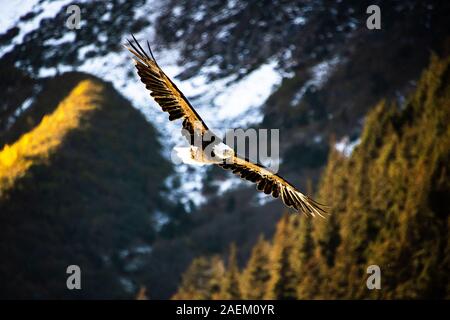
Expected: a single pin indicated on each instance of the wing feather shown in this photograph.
(271, 183)
(164, 91)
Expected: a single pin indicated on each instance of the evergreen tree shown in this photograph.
(202, 279)
(309, 264)
(412, 251)
(284, 266)
(230, 289)
(142, 294)
(256, 275)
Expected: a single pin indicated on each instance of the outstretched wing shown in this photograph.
(271, 183)
(164, 91)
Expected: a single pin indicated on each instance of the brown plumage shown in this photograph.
(164, 91)
(173, 101)
(271, 183)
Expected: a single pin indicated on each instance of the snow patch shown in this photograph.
(67, 37)
(223, 186)
(46, 10)
(346, 147)
(248, 94)
(318, 139)
(299, 21)
(24, 106)
(261, 198)
(160, 220)
(12, 10)
(320, 74)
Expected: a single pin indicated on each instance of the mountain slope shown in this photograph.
(81, 187)
(223, 55)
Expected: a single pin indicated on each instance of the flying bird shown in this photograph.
(173, 101)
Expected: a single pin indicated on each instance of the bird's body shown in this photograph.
(205, 147)
(198, 156)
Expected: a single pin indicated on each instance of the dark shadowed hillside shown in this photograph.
(80, 185)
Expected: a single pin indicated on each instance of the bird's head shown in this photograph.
(223, 151)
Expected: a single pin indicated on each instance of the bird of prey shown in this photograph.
(174, 102)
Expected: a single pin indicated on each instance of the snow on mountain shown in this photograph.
(224, 103)
(320, 73)
(345, 146)
(13, 10)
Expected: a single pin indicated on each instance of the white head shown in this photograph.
(223, 151)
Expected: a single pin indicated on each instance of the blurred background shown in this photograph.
(86, 177)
